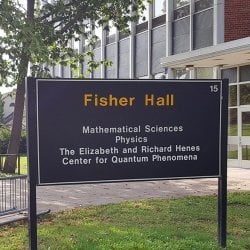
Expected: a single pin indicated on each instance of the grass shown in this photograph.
(233, 130)
(233, 154)
(186, 223)
(246, 130)
(23, 165)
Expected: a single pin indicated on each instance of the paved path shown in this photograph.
(63, 197)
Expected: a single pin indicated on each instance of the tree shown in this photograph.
(1, 109)
(40, 35)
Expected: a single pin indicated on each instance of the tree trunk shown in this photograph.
(13, 148)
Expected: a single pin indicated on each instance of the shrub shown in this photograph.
(5, 137)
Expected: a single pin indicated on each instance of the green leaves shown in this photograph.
(47, 38)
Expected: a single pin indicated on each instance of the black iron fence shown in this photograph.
(13, 189)
(13, 194)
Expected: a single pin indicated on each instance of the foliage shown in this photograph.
(46, 39)
(5, 138)
(42, 36)
(180, 3)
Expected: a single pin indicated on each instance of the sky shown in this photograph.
(4, 90)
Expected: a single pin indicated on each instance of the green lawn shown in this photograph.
(186, 223)
(23, 165)
(233, 130)
(246, 130)
(233, 154)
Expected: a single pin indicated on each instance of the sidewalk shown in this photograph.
(61, 197)
(57, 198)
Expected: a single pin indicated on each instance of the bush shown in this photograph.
(23, 143)
(5, 137)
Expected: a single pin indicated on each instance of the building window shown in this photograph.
(159, 7)
(181, 73)
(123, 35)
(245, 94)
(98, 30)
(110, 35)
(144, 16)
(87, 34)
(232, 122)
(245, 73)
(141, 27)
(232, 151)
(181, 8)
(180, 3)
(204, 73)
(232, 101)
(159, 76)
(245, 124)
(231, 74)
(245, 152)
(200, 5)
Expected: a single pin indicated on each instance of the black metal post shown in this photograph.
(222, 181)
(222, 211)
(32, 160)
(32, 216)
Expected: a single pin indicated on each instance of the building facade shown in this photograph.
(8, 108)
(186, 39)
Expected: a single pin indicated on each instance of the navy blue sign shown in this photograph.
(120, 130)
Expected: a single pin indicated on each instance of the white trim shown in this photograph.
(132, 51)
(191, 25)
(190, 57)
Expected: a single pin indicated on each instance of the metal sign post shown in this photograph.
(222, 180)
(32, 216)
(31, 125)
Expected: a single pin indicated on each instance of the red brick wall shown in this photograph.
(237, 19)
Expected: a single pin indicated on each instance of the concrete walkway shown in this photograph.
(61, 197)
(58, 198)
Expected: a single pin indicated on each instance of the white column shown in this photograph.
(217, 72)
(132, 52)
(218, 22)
(169, 20)
(191, 27)
(116, 54)
(150, 16)
(169, 42)
(103, 54)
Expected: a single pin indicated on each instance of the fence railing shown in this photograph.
(13, 194)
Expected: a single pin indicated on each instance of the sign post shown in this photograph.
(94, 131)
(222, 180)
